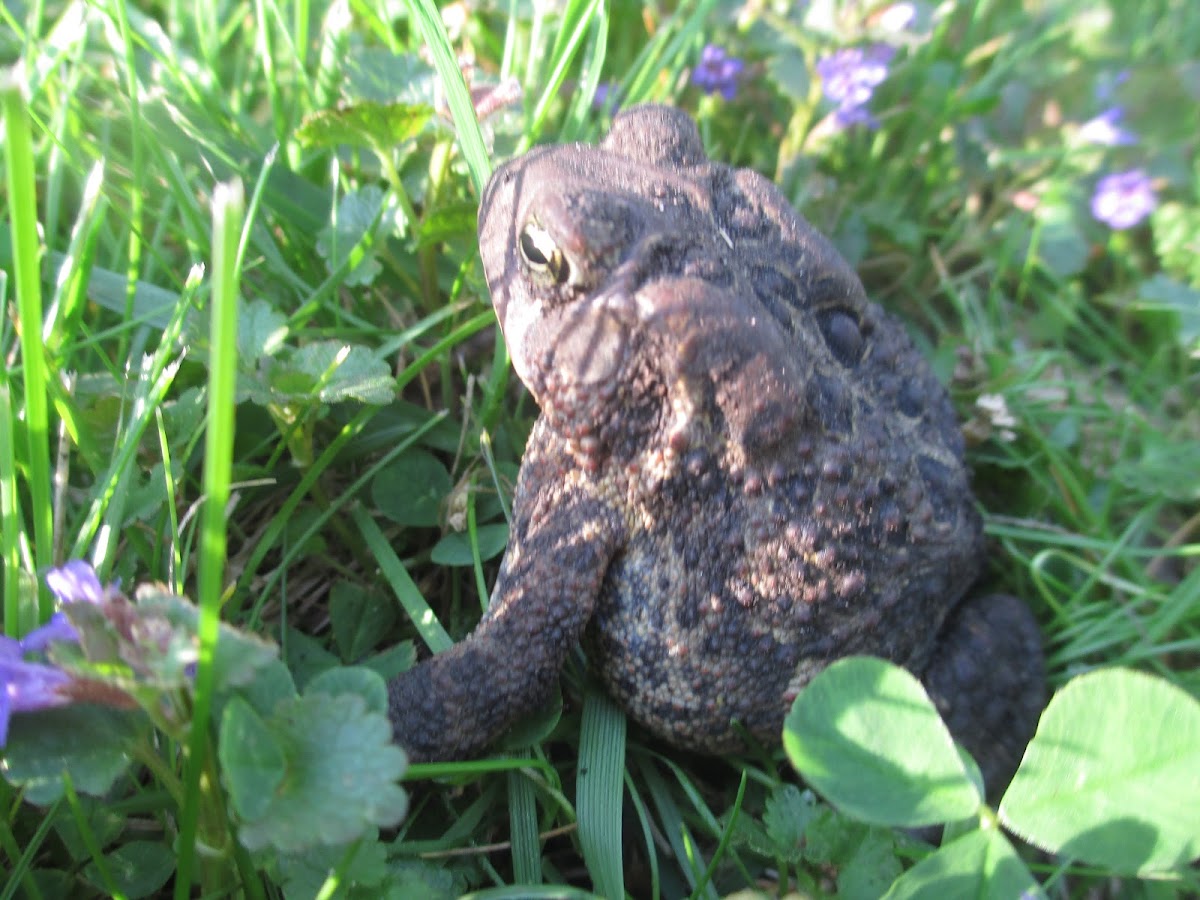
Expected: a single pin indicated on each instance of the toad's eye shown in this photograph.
(542, 255)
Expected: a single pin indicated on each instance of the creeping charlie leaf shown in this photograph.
(252, 761)
(342, 773)
(345, 372)
(364, 123)
(865, 735)
(1112, 776)
(43, 745)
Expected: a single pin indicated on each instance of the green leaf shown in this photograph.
(865, 735)
(270, 685)
(345, 372)
(410, 490)
(1060, 247)
(1110, 777)
(252, 761)
(871, 868)
(832, 837)
(306, 657)
(789, 70)
(44, 744)
(418, 878)
(979, 864)
(392, 661)
(454, 549)
(352, 680)
(342, 769)
(361, 214)
(101, 823)
(1165, 467)
(365, 123)
(382, 76)
(448, 222)
(303, 874)
(238, 654)
(787, 815)
(1164, 294)
(261, 332)
(1176, 227)
(137, 868)
(359, 619)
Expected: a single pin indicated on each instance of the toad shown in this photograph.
(743, 469)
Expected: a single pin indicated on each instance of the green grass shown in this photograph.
(240, 457)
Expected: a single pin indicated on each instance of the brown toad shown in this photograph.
(743, 469)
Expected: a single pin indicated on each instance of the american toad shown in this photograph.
(743, 468)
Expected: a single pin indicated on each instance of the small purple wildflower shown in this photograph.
(607, 97)
(27, 682)
(30, 685)
(849, 78)
(1123, 199)
(1105, 129)
(76, 580)
(717, 72)
(56, 629)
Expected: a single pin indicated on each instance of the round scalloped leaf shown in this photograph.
(978, 864)
(364, 682)
(342, 774)
(1111, 777)
(252, 761)
(43, 744)
(865, 735)
(138, 869)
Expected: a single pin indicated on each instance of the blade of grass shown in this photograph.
(462, 110)
(11, 526)
(22, 199)
(20, 862)
(601, 770)
(575, 29)
(523, 827)
(228, 207)
(405, 588)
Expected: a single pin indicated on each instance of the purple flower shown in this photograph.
(26, 685)
(1105, 129)
(1123, 199)
(718, 72)
(849, 78)
(75, 581)
(57, 629)
(27, 682)
(607, 97)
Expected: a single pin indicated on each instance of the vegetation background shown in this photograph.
(1017, 179)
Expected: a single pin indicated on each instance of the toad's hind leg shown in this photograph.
(987, 678)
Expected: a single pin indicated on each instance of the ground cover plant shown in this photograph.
(258, 440)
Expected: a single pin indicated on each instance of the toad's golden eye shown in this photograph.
(541, 254)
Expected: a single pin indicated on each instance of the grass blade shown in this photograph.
(22, 195)
(601, 771)
(228, 208)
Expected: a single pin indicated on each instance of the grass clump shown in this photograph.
(250, 361)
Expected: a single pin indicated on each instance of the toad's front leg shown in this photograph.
(456, 704)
